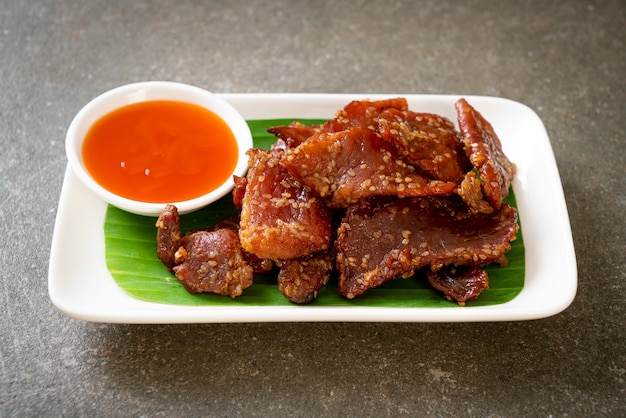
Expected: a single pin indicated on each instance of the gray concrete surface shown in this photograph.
(566, 60)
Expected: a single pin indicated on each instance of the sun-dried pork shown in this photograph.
(300, 279)
(347, 166)
(484, 149)
(459, 284)
(208, 260)
(212, 262)
(428, 141)
(418, 194)
(377, 243)
(280, 219)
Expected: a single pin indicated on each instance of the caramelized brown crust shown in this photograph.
(377, 243)
(280, 219)
(347, 166)
(459, 284)
(484, 150)
(212, 262)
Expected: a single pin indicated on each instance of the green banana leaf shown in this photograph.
(130, 253)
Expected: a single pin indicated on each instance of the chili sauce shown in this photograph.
(160, 151)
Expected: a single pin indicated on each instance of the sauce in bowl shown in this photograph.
(160, 151)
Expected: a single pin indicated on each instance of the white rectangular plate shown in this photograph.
(81, 287)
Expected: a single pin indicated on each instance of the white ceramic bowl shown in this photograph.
(149, 91)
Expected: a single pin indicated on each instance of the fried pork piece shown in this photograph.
(459, 284)
(280, 219)
(212, 262)
(428, 141)
(347, 166)
(377, 243)
(363, 114)
(484, 149)
(300, 279)
(209, 260)
(168, 235)
(203, 261)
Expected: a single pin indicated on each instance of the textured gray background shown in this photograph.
(566, 60)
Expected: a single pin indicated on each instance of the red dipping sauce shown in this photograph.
(160, 151)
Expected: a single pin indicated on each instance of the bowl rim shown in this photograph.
(152, 91)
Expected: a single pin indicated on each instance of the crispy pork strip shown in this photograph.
(212, 262)
(280, 219)
(347, 166)
(300, 279)
(459, 284)
(484, 149)
(377, 243)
